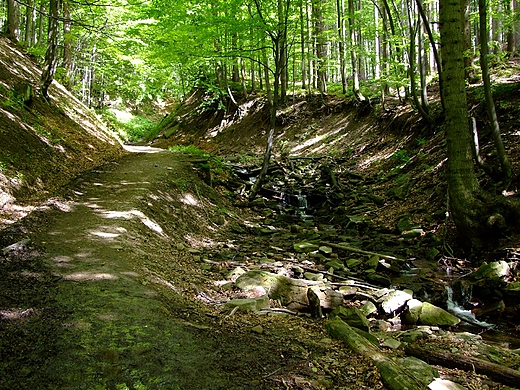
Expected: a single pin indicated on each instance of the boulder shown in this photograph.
(433, 315)
(394, 301)
(412, 312)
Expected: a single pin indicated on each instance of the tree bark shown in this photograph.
(321, 45)
(393, 375)
(462, 181)
(13, 21)
(353, 55)
(49, 66)
(30, 14)
(340, 6)
(496, 372)
(67, 46)
(505, 165)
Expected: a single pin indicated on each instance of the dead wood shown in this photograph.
(357, 250)
(496, 372)
(393, 375)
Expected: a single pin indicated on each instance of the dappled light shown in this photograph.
(17, 314)
(135, 214)
(189, 199)
(104, 234)
(89, 276)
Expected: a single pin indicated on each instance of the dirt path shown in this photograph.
(118, 333)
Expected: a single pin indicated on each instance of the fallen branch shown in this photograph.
(393, 375)
(357, 250)
(496, 372)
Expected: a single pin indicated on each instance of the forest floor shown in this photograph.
(117, 278)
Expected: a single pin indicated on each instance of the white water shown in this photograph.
(463, 314)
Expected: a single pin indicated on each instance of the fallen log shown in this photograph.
(496, 372)
(394, 376)
(361, 251)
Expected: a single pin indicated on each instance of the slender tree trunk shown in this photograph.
(462, 181)
(466, 36)
(511, 46)
(353, 55)
(321, 45)
(67, 46)
(433, 44)
(12, 27)
(49, 66)
(30, 14)
(41, 23)
(340, 6)
(490, 105)
(303, 43)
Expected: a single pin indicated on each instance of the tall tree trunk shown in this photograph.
(49, 66)
(340, 7)
(67, 46)
(321, 45)
(41, 22)
(466, 36)
(303, 43)
(353, 55)
(30, 14)
(505, 165)
(462, 181)
(12, 27)
(433, 44)
(511, 43)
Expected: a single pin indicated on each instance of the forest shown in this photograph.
(275, 193)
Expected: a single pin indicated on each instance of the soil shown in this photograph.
(118, 282)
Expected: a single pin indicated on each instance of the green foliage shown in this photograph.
(131, 127)
(12, 99)
(402, 156)
(190, 149)
(3, 166)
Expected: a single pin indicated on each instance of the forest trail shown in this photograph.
(119, 333)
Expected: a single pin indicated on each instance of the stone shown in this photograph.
(236, 273)
(353, 263)
(313, 276)
(257, 329)
(369, 308)
(394, 301)
(352, 316)
(348, 290)
(403, 223)
(412, 312)
(413, 233)
(325, 250)
(373, 262)
(379, 279)
(391, 343)
(249, 304)
(335, 265)
(413, 335)
(444, 384)
(433, 315)
(496, 269)
(305, 247)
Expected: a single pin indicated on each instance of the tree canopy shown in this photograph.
(143, 51)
